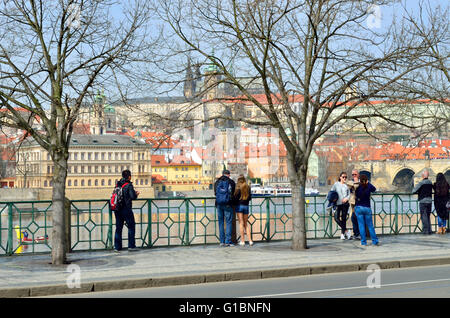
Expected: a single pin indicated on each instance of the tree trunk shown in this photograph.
(59, 244)
(298, 183)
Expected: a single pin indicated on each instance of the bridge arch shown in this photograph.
(404, 179)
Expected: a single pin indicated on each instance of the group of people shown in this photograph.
(232, 198)
(353, 195)
(424, 190)
(345, 195)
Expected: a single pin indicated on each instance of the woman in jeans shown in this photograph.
(441, 197)
(342, 204)
(363, 210)
(244, 195)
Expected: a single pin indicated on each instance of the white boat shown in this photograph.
(258, 191)
(311, 191)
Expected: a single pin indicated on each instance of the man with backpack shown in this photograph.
(223, 189)
(121, 203)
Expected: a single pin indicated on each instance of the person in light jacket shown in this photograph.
(342, 204)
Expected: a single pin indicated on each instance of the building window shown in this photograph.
(103, 182)
(89, 183)
(45, 183)
(109, 182)
(75, 183)
(69, 183)
(96, 182)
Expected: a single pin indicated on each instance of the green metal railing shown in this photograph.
(25, 227)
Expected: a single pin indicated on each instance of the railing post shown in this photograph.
(109, 241)
(268, 218)
(9, 245)
(396, 214)
(149, 225)
(186, 226)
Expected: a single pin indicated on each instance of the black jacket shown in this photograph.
(129, 194)
(233, 201)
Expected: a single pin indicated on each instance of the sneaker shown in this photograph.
(348, 235)
(376, 244)
(250, 243)
(116, 251)
(357, 237)
(133, 249)
(222, 245)
(342, 237)
(242, 243)
(230, 245)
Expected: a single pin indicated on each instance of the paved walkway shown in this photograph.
(32, 275)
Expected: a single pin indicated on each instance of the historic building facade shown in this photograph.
(95, 163)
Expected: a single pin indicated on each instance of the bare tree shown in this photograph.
(53, 56)
(320, 62)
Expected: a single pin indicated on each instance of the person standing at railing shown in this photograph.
(125, 213)
(243, 195)
(424, 189)
(441, 197)
(363, 210)
(353, 185)
(224, 189)
(342, 204)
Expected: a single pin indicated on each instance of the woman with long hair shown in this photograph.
(441, 197)
(244, 195)
(363, 210)
(342, 204)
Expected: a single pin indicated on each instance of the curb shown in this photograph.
(50, 290)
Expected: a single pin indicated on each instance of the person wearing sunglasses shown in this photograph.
(353, 184)
(342, 204)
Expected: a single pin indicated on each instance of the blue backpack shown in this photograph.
(223, 192)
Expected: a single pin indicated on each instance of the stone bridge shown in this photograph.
(390, 175)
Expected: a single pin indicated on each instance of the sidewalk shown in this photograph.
(32, 275)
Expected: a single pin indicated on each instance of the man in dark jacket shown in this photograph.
(125, 213)
(224, 191)
(425, 191)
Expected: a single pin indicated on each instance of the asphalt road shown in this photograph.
(429, 281)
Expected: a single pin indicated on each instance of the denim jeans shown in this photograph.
(355, 223)
(442, 222)
(225, 212)
(425, 211)
(364, 215)
(121, 217)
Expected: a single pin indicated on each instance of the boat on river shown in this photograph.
(264, 191)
